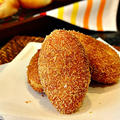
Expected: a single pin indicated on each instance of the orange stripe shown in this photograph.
(100, 15)
(87, 14)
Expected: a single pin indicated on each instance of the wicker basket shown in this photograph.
(14, 46)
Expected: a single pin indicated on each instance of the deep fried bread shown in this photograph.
(64, 71)
(32, 73)
(34, 3)
(8, 8)
(104, 61)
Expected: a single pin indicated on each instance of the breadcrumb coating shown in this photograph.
(64, 71)
(32, 73)
(104, 61)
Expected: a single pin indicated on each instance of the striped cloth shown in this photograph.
(99, 15)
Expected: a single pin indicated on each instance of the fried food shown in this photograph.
(104, 61)
(32, 73)
(8, 8)
(64, 71)
(34, 3)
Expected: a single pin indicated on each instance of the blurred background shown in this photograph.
(36, 22)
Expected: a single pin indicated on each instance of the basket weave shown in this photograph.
(14, 46)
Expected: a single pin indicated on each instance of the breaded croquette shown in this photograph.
(32, 73)
(104, 61)
(64, 71)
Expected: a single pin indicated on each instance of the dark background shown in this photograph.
(43, 25)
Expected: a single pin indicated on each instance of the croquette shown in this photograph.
(104, 61)
(32, 73)
(64, 72)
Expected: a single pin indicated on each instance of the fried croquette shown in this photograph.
(104, 61)
(32, 73)
(64, 71)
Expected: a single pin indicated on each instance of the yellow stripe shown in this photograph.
(60, 13)
(100, 15)
(1, 1)
(74, 13)
(87, 14)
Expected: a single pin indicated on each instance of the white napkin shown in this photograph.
(98, 15)
(3, 66)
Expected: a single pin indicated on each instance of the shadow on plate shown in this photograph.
(44, 101)
(99, 88)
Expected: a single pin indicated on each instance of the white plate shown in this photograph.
(101, 103)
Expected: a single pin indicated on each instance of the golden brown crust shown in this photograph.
(34, 3)
(8, 8)
(32, 73)
(104, 61)
(64, 71)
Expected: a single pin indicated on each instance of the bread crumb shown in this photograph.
(43, 94)
(28, 101)
(90, 112)
(65, 86)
